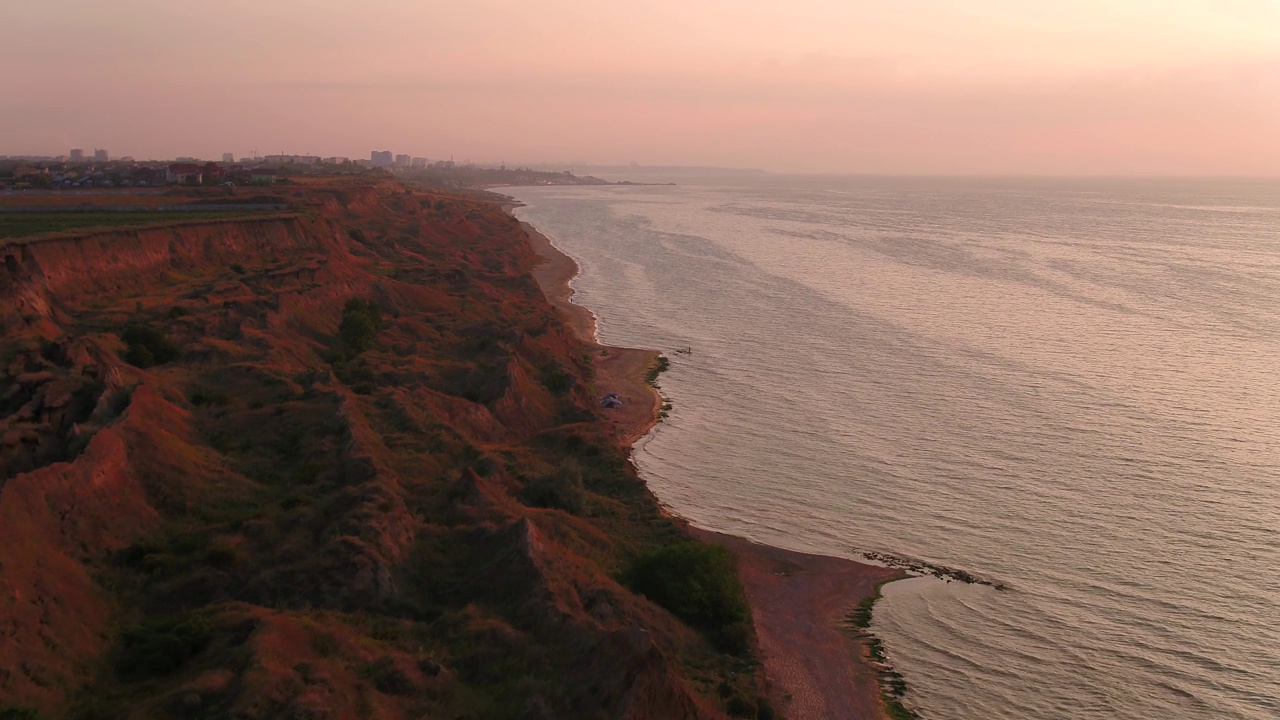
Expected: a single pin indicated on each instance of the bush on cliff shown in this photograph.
(562, 489)
(148, 346)
(361, 322)
(556, 379)
(161, 646)
(699, 584)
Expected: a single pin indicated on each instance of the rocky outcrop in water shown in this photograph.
(921, 568)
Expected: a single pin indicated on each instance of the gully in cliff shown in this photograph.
(345, 461)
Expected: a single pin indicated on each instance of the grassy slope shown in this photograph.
(17, 224)
(435, 526)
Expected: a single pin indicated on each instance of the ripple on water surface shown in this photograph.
(1065, 386)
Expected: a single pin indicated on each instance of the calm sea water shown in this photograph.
(1070, 387)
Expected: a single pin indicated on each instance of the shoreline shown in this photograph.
(815, 667)
(617, 369)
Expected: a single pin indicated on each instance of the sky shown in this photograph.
(1076, 87)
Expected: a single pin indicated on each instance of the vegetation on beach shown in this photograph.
(861, 615)
(661, 365)
(892, 685)
(897, 711)
(665, 410)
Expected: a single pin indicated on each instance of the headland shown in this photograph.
(336, 458)
(330, 451)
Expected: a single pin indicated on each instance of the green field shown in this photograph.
(20, 224)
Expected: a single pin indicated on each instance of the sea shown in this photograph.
(1068, 387)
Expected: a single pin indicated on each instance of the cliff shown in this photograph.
(340, 463)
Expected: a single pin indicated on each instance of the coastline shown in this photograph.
(815, 667)
(618, 369)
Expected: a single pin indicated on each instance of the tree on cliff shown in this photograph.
(361, 322)
(148, 346)
(699, 584)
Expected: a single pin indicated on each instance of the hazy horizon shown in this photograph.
(1183, 87)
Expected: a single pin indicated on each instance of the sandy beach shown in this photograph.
(618, 369)
(816, 669)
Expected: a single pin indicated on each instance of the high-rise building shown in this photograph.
(403, 161)
(100, 155)
(419, 162)
(381, 158)
(77, 155)
(228, 157)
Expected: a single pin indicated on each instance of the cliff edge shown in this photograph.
(344, 462)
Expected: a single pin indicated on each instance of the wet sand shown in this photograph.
(815, 669)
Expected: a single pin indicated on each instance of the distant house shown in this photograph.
(184, 174)
(263, 176)
(145, 176)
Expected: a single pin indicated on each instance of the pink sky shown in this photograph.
(912, 86)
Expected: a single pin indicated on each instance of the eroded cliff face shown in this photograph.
(215, 504)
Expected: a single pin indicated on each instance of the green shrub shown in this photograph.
(570, 414)
(660, 366)
(741, 707)
(562, 489)
(482, 381)
(897, 711)
(19, 712)
(148, 346)
(361, 322)
(209, 396)
(555, 379)
(162, 646)
(699, 584)
(325, 644)
(357, 375)
(221, 558)
(860, 618)
(387, 678)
